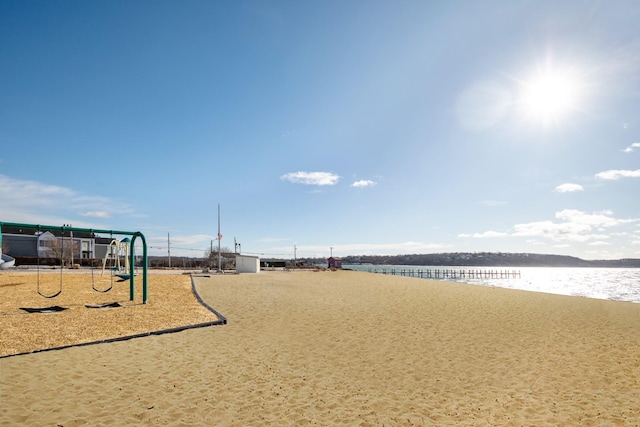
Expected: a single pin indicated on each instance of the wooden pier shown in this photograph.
(444, 274)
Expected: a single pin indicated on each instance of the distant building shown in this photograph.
(32, 243)
(272, 264)
(334, 262)
(247, 264)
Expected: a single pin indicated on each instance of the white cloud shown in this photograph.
(311, 178)
(599, 243)
(572, 225)
(18, 193)
(486, 234)
(613, 175)
(37, 202)
(568, 188)
(96, 214)
(633, 146)
(596, 219)
(576, 226)
(554, 231)
(363, 183)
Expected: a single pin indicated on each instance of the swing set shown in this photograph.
(115, 257)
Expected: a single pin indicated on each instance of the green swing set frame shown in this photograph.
(134, 235)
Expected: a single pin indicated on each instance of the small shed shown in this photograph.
(247, 264)
(334, 262)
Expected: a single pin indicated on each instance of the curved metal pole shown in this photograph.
(145, 282)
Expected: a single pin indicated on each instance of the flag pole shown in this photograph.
(219, 238)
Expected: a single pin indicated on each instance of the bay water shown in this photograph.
(619, 284)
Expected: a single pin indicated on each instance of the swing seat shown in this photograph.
(52, 309)
(106, 305)
(49, 296)
(124, 276)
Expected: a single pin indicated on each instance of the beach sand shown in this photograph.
(349, 348)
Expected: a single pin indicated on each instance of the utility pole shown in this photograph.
(331, 251)
(295, 248)
(219, 238)
(169, 249)
(72, 245)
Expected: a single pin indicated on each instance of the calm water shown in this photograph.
(620, 284)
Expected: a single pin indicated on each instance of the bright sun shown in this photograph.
(550, 95)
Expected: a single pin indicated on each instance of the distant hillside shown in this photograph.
(462, 259)
(489, 259)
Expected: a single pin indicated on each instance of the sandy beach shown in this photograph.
(349, 348)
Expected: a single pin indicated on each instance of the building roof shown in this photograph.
(32, 231)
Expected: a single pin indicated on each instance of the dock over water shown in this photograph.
(452, 274)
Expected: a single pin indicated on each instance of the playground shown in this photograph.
(87, 316)
(48, 306)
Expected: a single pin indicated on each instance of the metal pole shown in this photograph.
(219, 238)
(169, 249)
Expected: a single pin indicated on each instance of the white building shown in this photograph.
(247, 264)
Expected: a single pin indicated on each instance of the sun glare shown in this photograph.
(550, 95)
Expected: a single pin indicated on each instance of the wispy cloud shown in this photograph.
(632, 147)
(311, 178)
(96, 214)
(570, 226)
(485, 235)
(614, 175)
(290, 133)
(363, 183)
(32, 201)
(573, 225)
(568, 188)
(565, 231)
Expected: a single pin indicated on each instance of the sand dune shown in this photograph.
(349, 348)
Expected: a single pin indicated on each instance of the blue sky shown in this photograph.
(372, 127)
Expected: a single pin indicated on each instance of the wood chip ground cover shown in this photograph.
(171, 304)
